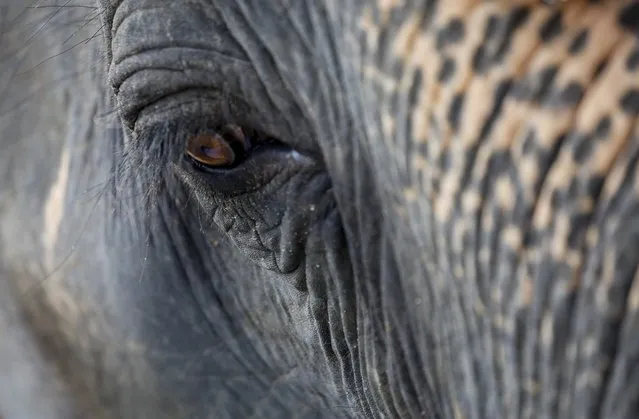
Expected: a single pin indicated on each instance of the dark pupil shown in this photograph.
(237, 147)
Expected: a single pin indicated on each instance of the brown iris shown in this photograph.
(220, 148)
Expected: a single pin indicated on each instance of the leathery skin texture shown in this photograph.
(319, 209)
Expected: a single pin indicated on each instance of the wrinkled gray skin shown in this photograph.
(449, 228)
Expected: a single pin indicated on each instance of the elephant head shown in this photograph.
(358, 209)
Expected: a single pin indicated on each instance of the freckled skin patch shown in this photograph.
(629, 17)
(603, 127)
(506, 193)
(452, 32)
(447, 70)
(552, 27)
(579, 42)
(633, 60)
(512, 236)
(633, 298)
(630, 102)
(385, 6)
(552, 90)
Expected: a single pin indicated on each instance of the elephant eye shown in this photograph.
(221, 148)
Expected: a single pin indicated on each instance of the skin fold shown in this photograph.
(446, 225)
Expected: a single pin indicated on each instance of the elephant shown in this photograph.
(319, 209)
